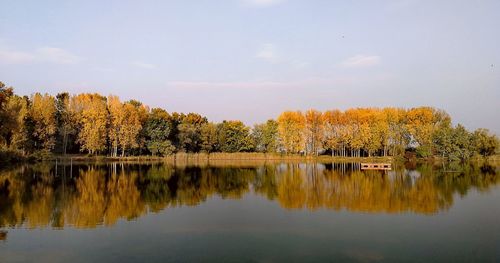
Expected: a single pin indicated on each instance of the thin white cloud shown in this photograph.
(398, 6)
(298, 64)
(143, 65)
(263, 3)
(360, 61)
(267, 52)
(15, 57)
(40, 55)
(331, 81)
(230, 85)
(104, 69)
(270, 53)
(56, 55)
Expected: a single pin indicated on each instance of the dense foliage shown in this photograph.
(96, 124)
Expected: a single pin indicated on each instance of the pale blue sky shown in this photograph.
(252, 59)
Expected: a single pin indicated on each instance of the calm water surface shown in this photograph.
(249, 212)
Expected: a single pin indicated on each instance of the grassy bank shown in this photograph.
(226, 158)
(11, 158)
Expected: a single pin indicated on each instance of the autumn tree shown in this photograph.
(313, 131)
(291, 131)
(356, 129)
(5, 119)
(142, 112)
(5, 93)
(116, 116)
(125, 124)
(397, 134)
(209, 138)
(419, 122)
(18, 128)
(422, 122)
(132, 124)
(378, 134)
(66, 121)
(43, 112)
(92, 114)
(332, 123)
(95, 124)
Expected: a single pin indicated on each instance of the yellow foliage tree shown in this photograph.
(314, 130)
(43, 113)
(291, 131)
(126, 121)
(93, 117)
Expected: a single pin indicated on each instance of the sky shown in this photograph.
(252, 59)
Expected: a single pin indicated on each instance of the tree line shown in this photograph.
(99, 125)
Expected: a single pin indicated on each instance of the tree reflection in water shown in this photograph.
(90, 195)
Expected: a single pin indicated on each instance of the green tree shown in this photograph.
(175, 120)
(157, 130)
(158, 126)
(485, 144)
(161, 148)
(189, 132)
(265, 136)
(258, 137)
(462, 140)
(443, 141)
(234, 136)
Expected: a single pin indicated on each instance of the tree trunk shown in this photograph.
(65, 142)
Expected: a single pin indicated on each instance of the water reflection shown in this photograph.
(87, 195)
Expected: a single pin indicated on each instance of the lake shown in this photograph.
(249, 212)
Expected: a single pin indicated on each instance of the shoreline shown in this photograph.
(244, 156)
(218, 158)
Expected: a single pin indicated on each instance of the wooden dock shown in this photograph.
(376, 166)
